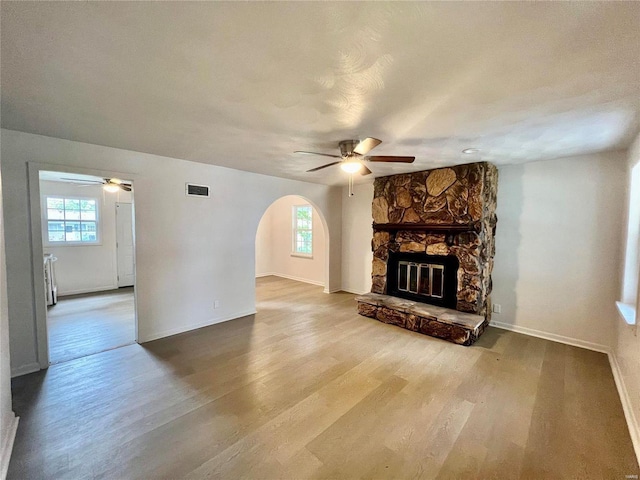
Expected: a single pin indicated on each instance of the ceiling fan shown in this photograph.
(109, 184)
(352, 156)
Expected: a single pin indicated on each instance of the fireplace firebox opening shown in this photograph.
(425, 278)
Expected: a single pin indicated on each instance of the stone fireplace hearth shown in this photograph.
(433, 248)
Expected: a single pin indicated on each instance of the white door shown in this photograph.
(124, 245)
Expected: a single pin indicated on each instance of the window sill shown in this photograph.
(302, 255)
(72, 244)
(627, 312)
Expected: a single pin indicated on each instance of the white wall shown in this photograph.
(558, 249)
(274, 244)
(189, 251)
(264, 245)
(8, 421)
(626, 345)
(87, 268)
(357, 233)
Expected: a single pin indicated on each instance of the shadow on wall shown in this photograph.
(508, 239)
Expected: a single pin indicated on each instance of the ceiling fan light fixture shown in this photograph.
(111, 187)
(351, 166)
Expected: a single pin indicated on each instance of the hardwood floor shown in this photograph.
(309, 389)
(82, 325)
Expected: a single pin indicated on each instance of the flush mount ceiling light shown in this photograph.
(469, 151)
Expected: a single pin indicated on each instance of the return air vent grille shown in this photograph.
(194, 190)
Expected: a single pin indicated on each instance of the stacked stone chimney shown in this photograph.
(447, 211)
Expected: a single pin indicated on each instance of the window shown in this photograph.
(629, 304)
(302, 230)
(71, 220)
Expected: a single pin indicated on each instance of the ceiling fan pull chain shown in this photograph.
(351, 184)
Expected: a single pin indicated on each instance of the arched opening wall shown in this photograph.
(206, 256)
(275, 253)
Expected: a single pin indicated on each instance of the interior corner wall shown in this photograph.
(87, 268)
(357, 233)
(190, 251)
(274, 244)
(8, 420)
(558, 254)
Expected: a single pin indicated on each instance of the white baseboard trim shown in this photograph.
(334, 290)
(575, 342)
(629, 414)
(188, 328)
(7, 447)
(87, 290)
(355, 292)
(290, 277)
(25, 369)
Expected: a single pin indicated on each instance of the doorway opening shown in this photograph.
(88, 239)
(292, 242)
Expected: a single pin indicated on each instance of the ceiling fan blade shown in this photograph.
(316, 153)
(391, 159)
(126, 188)
(365, 171)
(77, 180)
(323, 166)
(366, 145)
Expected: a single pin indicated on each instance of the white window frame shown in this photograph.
(295, 230)
(45, 222)
(630, 303)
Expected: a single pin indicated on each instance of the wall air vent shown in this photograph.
(193, 190)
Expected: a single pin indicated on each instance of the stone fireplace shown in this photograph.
(433, 248)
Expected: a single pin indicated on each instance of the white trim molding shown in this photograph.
(290, 277)
(629, 414)
(7, 447)
(82, 291)
(326, 290)
(26, 369)
(188, 328)
(575, 342)
(355, 292)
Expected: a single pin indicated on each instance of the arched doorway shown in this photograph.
(292, 241)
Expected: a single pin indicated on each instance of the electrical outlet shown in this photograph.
(497, 308)
(216, 304)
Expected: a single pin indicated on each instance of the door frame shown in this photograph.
(133, 233)
(37, 249)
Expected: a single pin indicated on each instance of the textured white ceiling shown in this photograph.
(243, 85)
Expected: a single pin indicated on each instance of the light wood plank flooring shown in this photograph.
(309, 389)
(81, 325)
